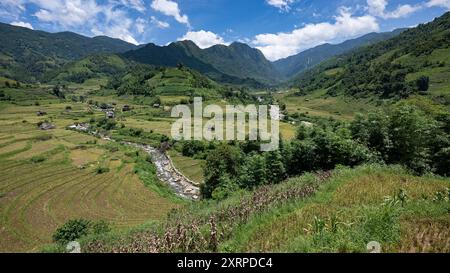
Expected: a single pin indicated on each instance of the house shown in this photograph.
(46, 126)
(82, 127)
(127, 108)
(110, 114)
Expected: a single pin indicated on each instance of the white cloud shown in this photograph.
(439, 3)
(22, 24)
(170, 8)
(203, 39)
(378, 8)
(67, 12)
(140, 25)
(280, 4)
(158, 23)
(117, 25)
(281, 45)
(11, 9)
(138, 5)
(87, 16)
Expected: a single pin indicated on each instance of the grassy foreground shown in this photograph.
(339, 211)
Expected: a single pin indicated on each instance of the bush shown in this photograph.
(71, 231)
(100, 227)
(423, 83)
(191, 148)
(101, 170)
(38, 159)
(78, 228)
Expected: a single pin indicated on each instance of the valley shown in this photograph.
(86, 151)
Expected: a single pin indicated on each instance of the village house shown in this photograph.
(110, 114)
(41, 113)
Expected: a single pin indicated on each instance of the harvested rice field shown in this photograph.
(50, 177)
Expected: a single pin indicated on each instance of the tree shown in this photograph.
(423, 83)
(254, 172)
(276, 171)
(57, 91)
(411, 132)
(223, 161)
(72, 230)
(373, 131)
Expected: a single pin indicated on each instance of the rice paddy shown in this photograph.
(48, 178)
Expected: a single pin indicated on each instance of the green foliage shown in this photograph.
(254, 172)
(225, 160)
(31, 54)
(307, 59)
(192, 148)
(423, 83)
(405, 135)
(71, 231)
(235, 64)
(324, 148)
(78, 228)
(102, 170)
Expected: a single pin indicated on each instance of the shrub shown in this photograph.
(38, 159)
(71, 231)
(423, 83)
(101, 170)
(100, 227)
(191, 148)
(78, 228)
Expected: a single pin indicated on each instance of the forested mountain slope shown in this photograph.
(416, 61)
(27, 54)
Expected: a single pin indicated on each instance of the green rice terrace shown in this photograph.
(87, 152)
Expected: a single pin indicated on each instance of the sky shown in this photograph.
(279, 28)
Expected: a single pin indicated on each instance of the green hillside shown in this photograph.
(235, 64)
(26, 55)
(291, 66)
(415, 62)
(181, 81)
(95, 66)
(339, 211)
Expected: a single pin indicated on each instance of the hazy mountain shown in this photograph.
(307, 59)
(27, 54)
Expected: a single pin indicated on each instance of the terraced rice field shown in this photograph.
(191, 168)
(44, 182)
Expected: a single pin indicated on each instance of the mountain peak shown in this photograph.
(186, 43)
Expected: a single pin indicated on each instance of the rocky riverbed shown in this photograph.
(167, 173)
(165, 170)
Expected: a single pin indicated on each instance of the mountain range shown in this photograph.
(27, 54)
(221, 63)
(415, 61)
(290, 66)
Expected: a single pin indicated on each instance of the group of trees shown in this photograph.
(134, 83)
(229, 168)
(402, 135)
(407, 136)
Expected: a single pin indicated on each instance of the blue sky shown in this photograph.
(279, 28)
